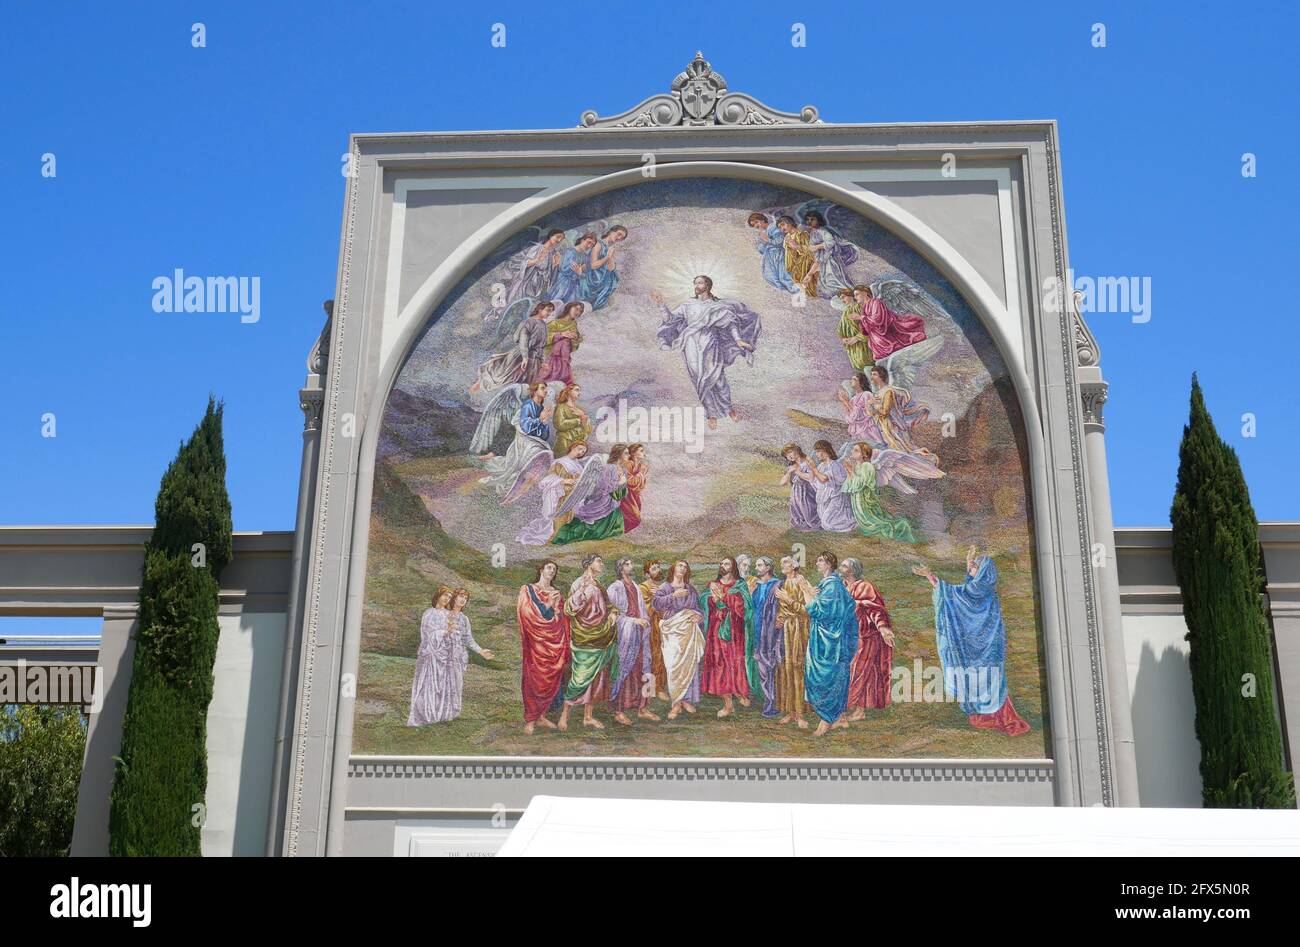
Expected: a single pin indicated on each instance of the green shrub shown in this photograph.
(1219, 567)
(41, 751)
(161, 777)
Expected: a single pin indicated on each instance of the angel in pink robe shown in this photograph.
(886, 331)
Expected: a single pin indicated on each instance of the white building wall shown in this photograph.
(241, 732)
(1164, 713)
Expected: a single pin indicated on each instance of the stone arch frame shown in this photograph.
(1080, 766)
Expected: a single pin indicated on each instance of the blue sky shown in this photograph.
(226, 159)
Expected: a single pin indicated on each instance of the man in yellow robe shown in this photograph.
(792, 598)
(654, 577)
(800, 262)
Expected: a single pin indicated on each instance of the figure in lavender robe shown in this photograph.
(445, 643)
(681, 634)
(534, 269)
(971, 638)
(553, 483)
(832, 253)
(834, 509)
(832, 643)
(599, 515)
(769, 645)
(771, 246)
(632, 630)
(710, 333)
(857, 401)
(799, 477)
(574, 261)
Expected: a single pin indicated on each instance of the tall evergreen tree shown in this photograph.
(161, 779)
(1219, 567)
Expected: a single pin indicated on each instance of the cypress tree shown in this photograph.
(1219, 566)
(157, 805)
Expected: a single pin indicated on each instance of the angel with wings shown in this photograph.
(533, 270)
(525, 408)
(555, 479)
(889, 313)
(834, 254)
(522, 364)
(581, 496)
(771, 246)
(896, 413)
(870, 469)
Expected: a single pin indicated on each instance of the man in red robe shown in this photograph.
(869, 673)
(544, 644)
(723, 671)
(638, 471)
(886, 331)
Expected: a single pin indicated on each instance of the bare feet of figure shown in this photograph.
(564, 720)
(675, 710)
(663, 695)
(528, 728)
(727, 707)
(647, 715)
(802, 723)
(821, 729)
(840, 724)
(622, 718)
(744, 701)
(859, 714)
(713, 424)
(546, 723)
(593, 722)
(735, 416)
(788, 718)
(690, 708)
(488, 456)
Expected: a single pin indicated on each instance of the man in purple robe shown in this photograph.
(632, 629)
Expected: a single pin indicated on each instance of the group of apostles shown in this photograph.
(759, 633)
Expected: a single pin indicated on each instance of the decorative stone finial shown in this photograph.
(699, 96)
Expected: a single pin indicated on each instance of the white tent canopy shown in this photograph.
(557, 826)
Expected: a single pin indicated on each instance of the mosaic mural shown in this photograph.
(702, 467)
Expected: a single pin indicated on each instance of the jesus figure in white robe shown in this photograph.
(711, 333)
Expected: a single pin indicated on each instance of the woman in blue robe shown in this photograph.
(832, 644)
(971, 638)
(601, 278)
(771, 245)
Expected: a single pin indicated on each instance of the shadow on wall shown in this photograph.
(1168, 753)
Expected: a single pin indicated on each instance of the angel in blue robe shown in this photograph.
(771, 245)
(601, 279)
(569, 278)
(832, 644)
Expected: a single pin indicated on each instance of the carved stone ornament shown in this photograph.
(699, 96)
(1085, 343)
(1093, 395)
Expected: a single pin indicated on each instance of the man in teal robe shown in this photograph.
(832, 643)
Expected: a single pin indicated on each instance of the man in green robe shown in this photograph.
(856, 345)
(593, 645)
